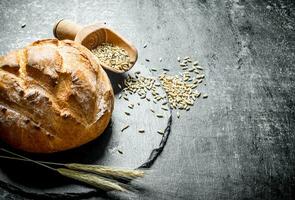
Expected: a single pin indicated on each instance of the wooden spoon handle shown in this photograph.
(66, 29)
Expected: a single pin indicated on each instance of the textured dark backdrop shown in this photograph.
(237, 144)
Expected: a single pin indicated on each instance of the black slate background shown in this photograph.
(237, 144)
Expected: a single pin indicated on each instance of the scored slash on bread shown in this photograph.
(54, 96)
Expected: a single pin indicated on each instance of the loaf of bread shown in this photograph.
(54, 96)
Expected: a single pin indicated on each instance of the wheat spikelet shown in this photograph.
(90, 179)
(119, 173)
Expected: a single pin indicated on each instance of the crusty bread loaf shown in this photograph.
(54, 96)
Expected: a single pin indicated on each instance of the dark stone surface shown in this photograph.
(237, 144)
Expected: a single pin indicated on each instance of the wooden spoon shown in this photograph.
(93, 35)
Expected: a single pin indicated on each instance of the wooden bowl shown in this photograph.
(92, 36)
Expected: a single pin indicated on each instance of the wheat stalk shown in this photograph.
(119, 173)
(27, 159)
(80, 173)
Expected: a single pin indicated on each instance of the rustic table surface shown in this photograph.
(239, 143)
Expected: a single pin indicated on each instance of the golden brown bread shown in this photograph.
(54, 96)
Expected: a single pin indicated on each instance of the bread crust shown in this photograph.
(54, 96)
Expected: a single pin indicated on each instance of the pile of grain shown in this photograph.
(113, 56)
